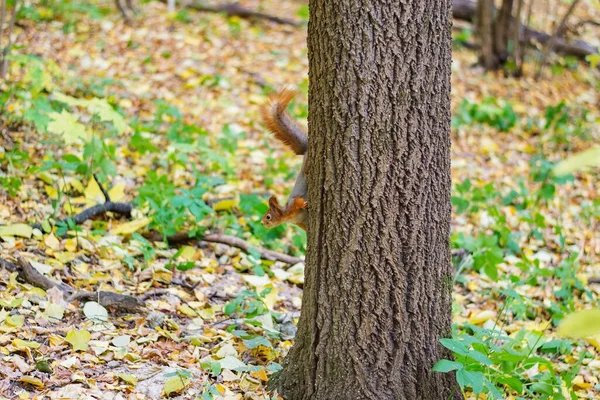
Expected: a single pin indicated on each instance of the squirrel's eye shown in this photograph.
(268, 216)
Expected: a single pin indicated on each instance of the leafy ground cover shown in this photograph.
(161, 118)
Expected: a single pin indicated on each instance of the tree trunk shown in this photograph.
(502, 26)
(485, 28)
(518, 49)
(377, 293)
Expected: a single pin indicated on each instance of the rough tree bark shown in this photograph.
(377, 293)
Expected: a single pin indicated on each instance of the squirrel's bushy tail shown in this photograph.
(281, 125)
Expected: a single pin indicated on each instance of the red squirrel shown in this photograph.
(289, 133)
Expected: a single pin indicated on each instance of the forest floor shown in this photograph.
(165, 112)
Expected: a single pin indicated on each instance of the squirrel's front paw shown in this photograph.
(299, 202)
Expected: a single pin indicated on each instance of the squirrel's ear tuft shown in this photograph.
(273, 202)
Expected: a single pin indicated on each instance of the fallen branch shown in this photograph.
(116, 301)
(97, 210)
(27, 273)
(466, 10)
(235, 10)
(31, 275)
(100, 209)
(229, 240)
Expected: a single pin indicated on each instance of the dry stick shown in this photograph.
(585, 22)
(247, 247)
(117, 301)
(234, 9)
(100, 209)
(30, 275)
(228, 240)
(551, 43)
(102, 189)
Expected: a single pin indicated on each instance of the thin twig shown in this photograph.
(247, 247)
(156, 292)
(102, 189)
(229, 240)
(585, 22)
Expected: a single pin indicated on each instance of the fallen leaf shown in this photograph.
(78, 339)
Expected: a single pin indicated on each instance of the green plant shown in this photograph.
(488, 361)
(491, 111)
(172, 208)
(248, 304)
(562, 123)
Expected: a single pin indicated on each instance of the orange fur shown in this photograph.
(281, 125)
(277, 215)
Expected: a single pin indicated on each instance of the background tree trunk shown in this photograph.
(377, 293)
(485, 28)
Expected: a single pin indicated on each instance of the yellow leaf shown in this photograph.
(20, 344)
(54, 312)
(22, 230)
(162, 275)
(130, 227)
(46, 177)
(32, 381)
(117, 192)
(187, 310)
(55, 340)
(52, 242)
(79, 339)
(579, 161)
(70, 209)
(128, 378)
(188, 253)
(93, 195)
(580, 383)
(224, 205)
(51, 192)
(595, 341)
(15, 320)
(175, 384)
(482, 317)
(71, 245)
(580, 324)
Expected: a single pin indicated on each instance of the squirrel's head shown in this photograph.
(272, 217)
